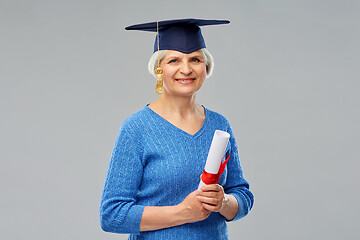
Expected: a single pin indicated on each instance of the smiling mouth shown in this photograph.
(185, 80)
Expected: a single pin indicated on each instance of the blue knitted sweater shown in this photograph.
(155, 163)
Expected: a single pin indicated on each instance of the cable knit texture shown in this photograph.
(154, 163)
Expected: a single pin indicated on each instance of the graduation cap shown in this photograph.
(183, 35)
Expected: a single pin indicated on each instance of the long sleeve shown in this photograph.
(154, 163)
(118, 210)
(235, 183)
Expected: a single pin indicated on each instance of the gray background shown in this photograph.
(285, 76)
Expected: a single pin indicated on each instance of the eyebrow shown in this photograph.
(197, 55)
(171, 57)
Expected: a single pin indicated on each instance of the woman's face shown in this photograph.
(183, 74)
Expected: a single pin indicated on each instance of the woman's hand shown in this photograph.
(193, 210)
(197, 206)
(212, 197)
(188, 211)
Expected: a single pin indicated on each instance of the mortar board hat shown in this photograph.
(183, 35)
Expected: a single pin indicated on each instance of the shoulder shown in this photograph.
(136, 121)
(216, 117)
(132, 129)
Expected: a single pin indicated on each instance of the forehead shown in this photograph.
(173, 53)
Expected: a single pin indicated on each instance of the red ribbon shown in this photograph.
(210, 178)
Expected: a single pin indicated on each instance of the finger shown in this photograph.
(211, 208)
(212, 201)
(210, 194)
(211, 187)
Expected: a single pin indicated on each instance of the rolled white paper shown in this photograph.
(216, 153)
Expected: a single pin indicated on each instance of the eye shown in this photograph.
(173, 61)
(195, 59)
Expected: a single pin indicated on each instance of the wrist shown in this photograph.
(225, 203)
(230, 207)
(182, 213)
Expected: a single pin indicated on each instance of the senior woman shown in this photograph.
(151, 185)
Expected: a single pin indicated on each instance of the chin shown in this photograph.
(185, 90)
(182, 93)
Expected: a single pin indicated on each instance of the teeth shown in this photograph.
(180, 80)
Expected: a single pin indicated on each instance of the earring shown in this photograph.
(159, 81)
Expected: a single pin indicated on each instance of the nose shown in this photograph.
(185, 68)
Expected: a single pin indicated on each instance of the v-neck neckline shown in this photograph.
(177, 129)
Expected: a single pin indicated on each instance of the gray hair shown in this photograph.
(209, 61)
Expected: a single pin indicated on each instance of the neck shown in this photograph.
(177, 104)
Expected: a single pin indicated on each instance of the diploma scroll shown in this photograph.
(214, 159)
